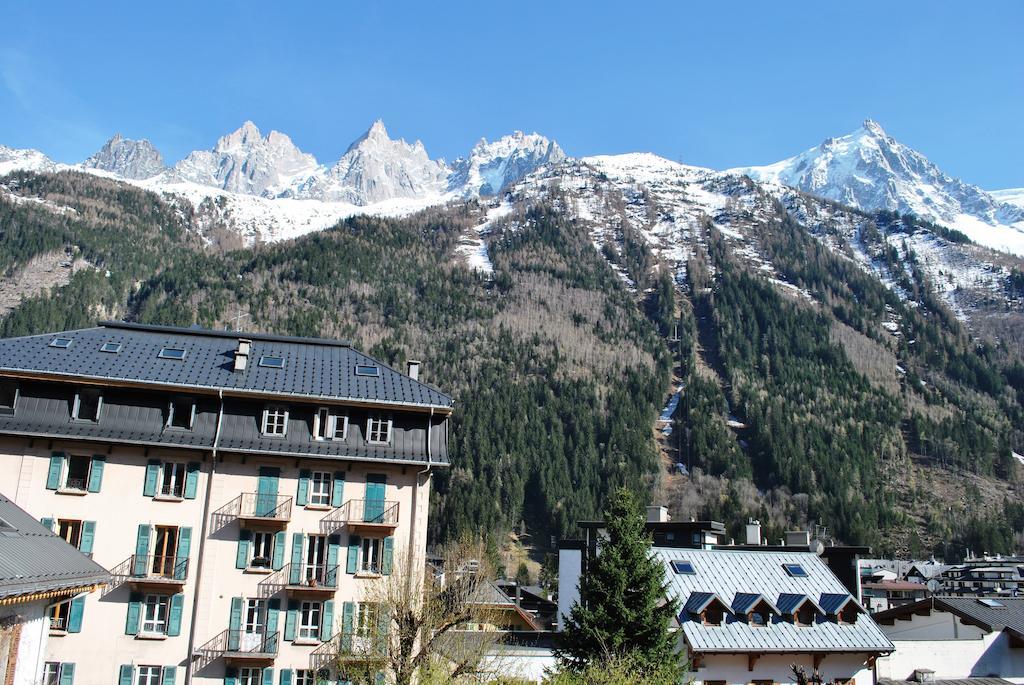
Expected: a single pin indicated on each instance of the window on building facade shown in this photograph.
(367, 619)
(328, 425)
(71, 531)
(51, 673)
(250, 676)
(275, 421)
(76, 477)
(309, 620)
(181, 413)
(713, 615)
(320, 483)
(305, 676)
(87, 405)
(8, 397)
(59, 616)
(805, 614)
(154, 614)
(373, 552)
(262, 549)
(378, 430)
(148, 675)
(172, 481)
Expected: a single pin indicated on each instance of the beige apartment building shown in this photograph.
(243, 489)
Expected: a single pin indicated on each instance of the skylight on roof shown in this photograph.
(992, 603)
(61, 343)
(111, 347)
(367, 370)
(795, 570)
(176, 353)
(270, 361)
(683, 567)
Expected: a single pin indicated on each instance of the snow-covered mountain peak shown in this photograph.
(492, 166)
(16, 159)
(135, 159)
(246, 136)
(871, 170)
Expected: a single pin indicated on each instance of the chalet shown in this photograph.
(244, 489)
(950, 638)
(38, 570)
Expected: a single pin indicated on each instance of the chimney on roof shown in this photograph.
(753, 532)
(657, 514)
(242, 354)
(413, 366)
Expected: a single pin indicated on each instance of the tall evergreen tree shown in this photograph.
(624, 611)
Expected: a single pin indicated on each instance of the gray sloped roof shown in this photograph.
(315, 368)
(32, 559)
(971, 609)
(728, 573)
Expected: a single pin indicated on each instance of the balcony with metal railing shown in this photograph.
(302, 580)
(274, 511)
(365, 515)
(154, 572)
(240, 647)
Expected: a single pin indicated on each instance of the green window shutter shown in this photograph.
(242, 555)
(273, 612)
(327, 623)
(96, 473)
(184, 547)
(169, 673)
(174, 614)
(338, 489)
(388, 556)
(266, 490)
(75, 615)
(286, 676)
(277, 562)
(268, 676)
(348, 611)
(55, 472)
(295, 572)
(384, 622)
(131, 626)
(152, 476)
(88, 537)
(127, 672)
(302, 494)
(290, 619)
(142, 550)
(235, 623)
(67, 673)
(192, 479)
(352, 564)
(47, 523)
(333, 551)
(230, 676)
(376, 488)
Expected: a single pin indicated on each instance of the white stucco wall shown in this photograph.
(733, 668)
(31, 641)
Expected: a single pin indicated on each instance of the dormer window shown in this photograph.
(181, 413)
(378, 430)
(8, 397)
(275, 421)
(805, 615)
(713, 615)
(328, 425)
(848, 614)
(87, 406)
(760, 615)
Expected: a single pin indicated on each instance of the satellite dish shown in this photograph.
(816, 546)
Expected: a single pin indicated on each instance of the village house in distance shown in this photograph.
(242, 488)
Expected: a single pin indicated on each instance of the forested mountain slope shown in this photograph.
(829, 375)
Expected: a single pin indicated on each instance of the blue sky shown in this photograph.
(714, 84)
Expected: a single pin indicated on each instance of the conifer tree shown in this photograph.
(623, 610)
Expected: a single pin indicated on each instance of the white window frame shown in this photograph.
(320, 485)
(51, 672)
(268, 543)
(155, 613)
(371, 555)
(179, 472)
(255, 609)
(171, 413)
(326, 423)
(277, 411)
(249, 675)
(305, 676)
(310, 615)
(148, 675)
(373, 431)
(367, 619)
(78, 405)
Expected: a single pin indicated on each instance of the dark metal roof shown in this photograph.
(970, 610)
(314, 368)
(33, 559)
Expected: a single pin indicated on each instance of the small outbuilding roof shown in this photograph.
(34, 561)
